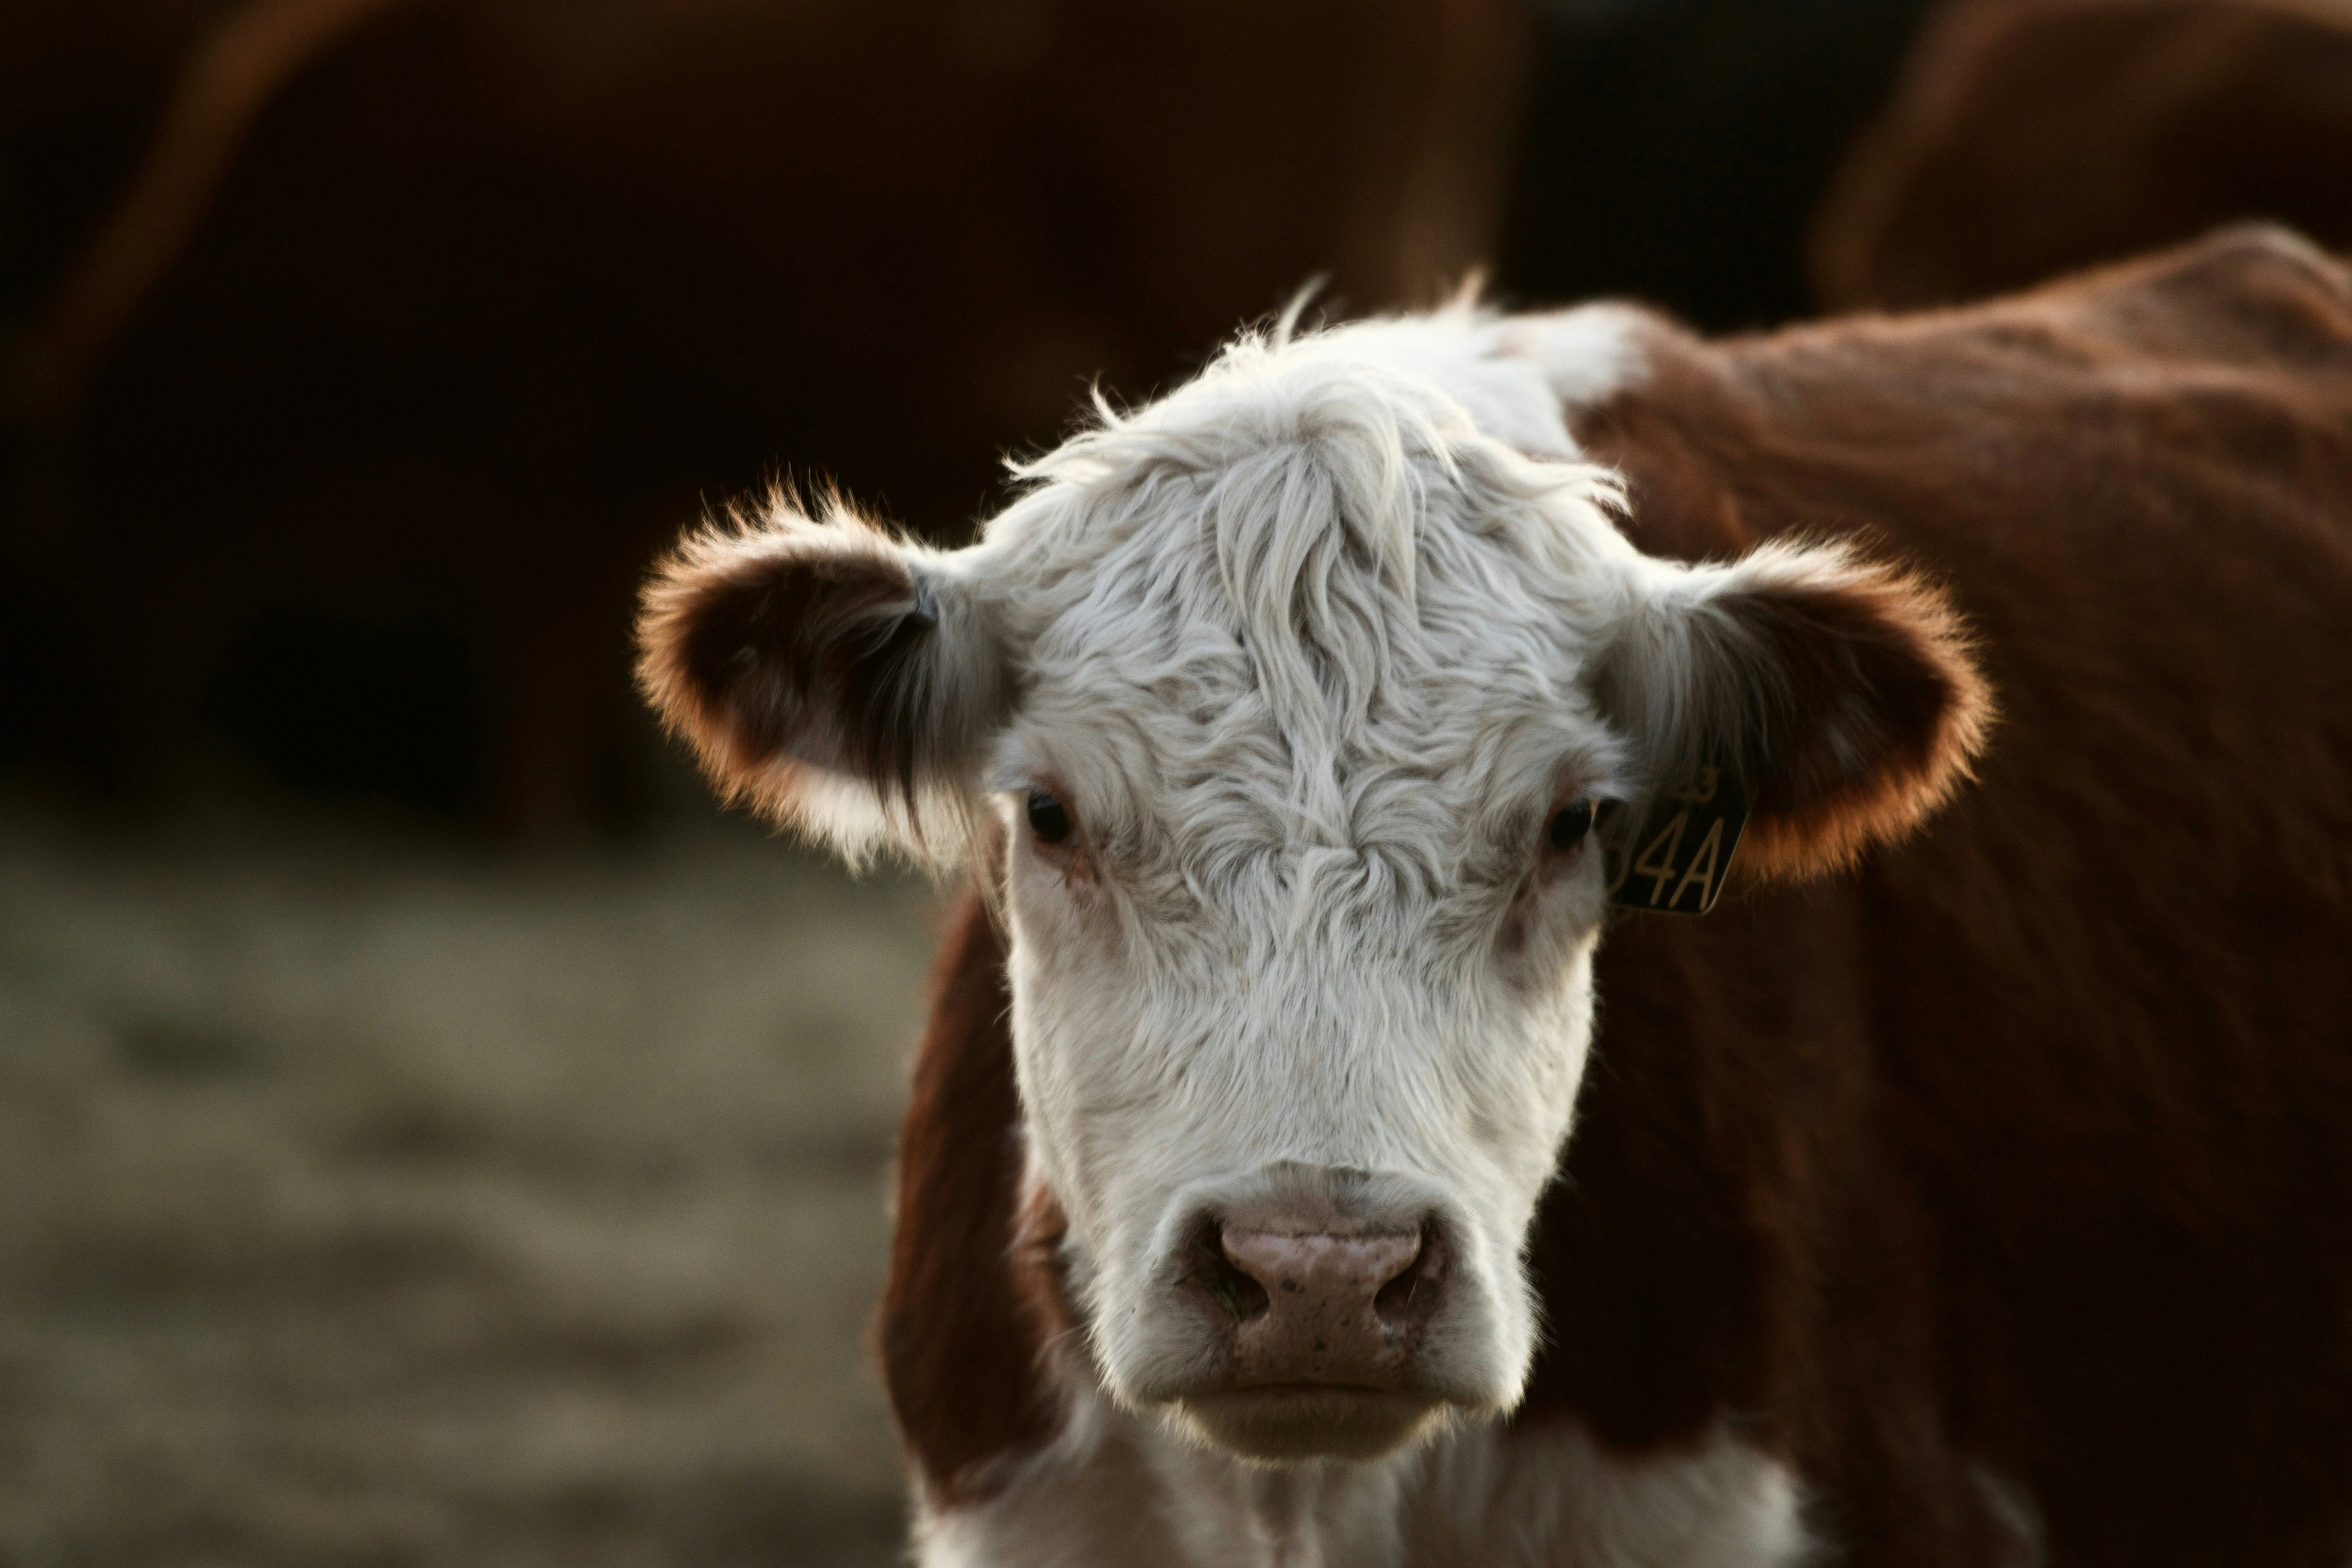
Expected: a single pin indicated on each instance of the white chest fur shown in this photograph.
(1119, 1492)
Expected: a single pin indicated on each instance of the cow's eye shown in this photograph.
(1569, 824)
(1049, 819)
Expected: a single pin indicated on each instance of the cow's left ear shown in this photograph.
(1842, 694)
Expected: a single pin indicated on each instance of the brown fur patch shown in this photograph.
(1856, 708)
(974, 1294)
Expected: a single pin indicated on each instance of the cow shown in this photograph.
(2028, 138)
(1341, 1137)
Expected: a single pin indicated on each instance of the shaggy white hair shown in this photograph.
(1283, 564)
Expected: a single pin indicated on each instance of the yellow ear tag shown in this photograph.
(1674, 864)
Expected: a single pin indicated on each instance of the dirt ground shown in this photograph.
(365, 1203)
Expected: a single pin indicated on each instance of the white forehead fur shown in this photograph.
(1332, 572)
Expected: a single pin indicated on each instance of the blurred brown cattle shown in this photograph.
(349, 339)
(2030, 137)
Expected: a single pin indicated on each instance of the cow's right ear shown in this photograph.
(826, 674)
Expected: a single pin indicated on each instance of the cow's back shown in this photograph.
(2008, 1183)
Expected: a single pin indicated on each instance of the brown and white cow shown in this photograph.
(1972, 1187)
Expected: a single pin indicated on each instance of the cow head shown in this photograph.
(1280, 717)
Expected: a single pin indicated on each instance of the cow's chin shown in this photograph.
(1298, 1423)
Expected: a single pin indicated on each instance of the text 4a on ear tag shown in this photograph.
(1675, 861)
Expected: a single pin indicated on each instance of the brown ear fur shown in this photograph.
(793, 654)
(1842, 694)
(1869, 712)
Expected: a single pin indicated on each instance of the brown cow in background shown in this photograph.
(422, 321)
(2032, 137)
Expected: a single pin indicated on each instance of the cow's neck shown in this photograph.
(1115, 1488)
(1118, 1489)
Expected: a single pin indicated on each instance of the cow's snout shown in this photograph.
(1318, 1319)
(1330, 1308)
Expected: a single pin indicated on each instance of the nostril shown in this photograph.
(1216, 1276)
(1412, 1296)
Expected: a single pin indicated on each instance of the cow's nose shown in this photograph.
(1335, 1307)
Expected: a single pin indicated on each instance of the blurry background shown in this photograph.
(429, 1132)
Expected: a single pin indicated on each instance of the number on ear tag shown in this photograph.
(1675, 862)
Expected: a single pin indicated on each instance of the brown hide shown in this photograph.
(2027, 1146)
(960, 1345)
(2028, 138)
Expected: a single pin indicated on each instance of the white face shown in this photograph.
(1256, 946)
(1403, 995)
(1302, 905)
(1279, 713)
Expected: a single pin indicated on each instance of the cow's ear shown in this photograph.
(826, 674)
(1843, 694)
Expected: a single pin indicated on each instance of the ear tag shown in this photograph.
(1674, 864)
